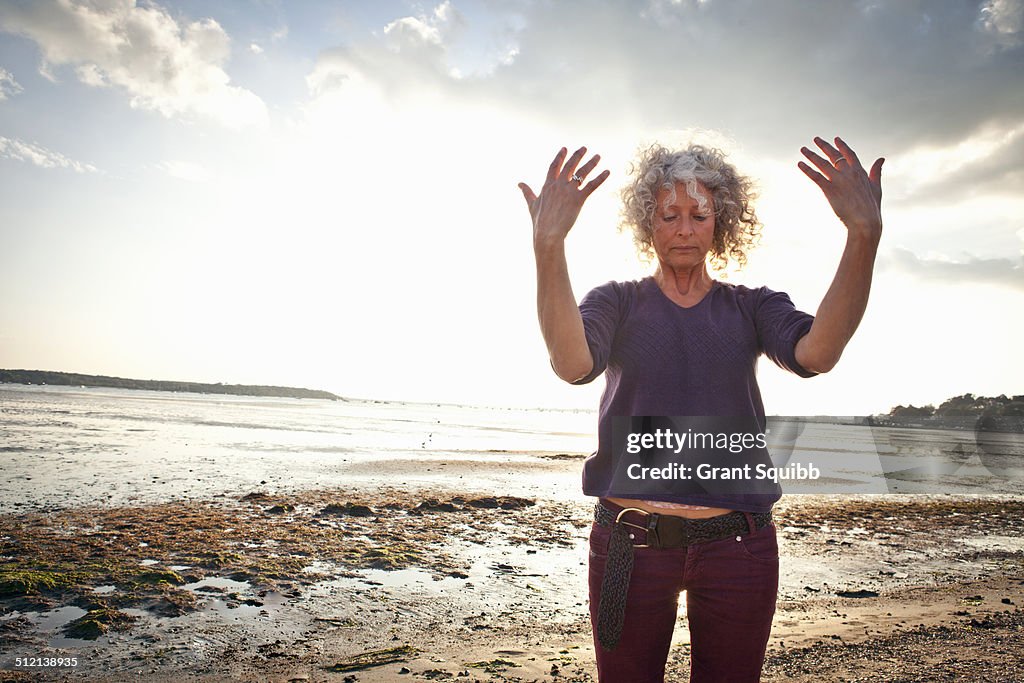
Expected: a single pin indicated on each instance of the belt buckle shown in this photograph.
(647, 529)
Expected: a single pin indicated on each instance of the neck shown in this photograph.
(684, 286)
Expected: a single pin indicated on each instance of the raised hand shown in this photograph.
(854, 194)
(554, 212)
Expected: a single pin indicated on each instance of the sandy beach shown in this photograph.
(380, 582)
(175, 537)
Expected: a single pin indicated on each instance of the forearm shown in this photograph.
(842, 307)
(560, 319)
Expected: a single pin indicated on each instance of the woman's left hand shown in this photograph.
(854, 194)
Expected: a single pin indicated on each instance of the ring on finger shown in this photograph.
(836, 162)
(576, 177)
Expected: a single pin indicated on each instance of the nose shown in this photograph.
(685, 226)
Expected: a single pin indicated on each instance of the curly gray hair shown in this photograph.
(656, 168)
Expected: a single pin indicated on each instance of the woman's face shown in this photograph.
(683, 233)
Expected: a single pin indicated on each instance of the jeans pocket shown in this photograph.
(600, 537)
(762, 546)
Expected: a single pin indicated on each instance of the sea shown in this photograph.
(78, 446)
(66, 446)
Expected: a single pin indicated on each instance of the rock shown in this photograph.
(350, 509)
(434, 505)
(503, 502)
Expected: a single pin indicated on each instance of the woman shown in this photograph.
(680, 343)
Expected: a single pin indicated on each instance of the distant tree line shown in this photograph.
(967, 405)
(74, 379)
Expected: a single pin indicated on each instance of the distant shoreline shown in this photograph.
(45, 377)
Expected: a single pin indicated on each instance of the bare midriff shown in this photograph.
(676, 509)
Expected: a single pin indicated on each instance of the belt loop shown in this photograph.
(750, 522)
(653, 540)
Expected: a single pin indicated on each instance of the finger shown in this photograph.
(831, 152)
(875, 175)
(570, 165)
(528, 194)
(556, 164)
(848, 152)
(588, 167)
(824, 165)
(819, 180)
(589, 188)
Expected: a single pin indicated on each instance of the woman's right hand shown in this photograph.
(555, 211)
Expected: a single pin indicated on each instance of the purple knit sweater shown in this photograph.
(661, 359)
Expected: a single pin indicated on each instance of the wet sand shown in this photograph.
(479, 575)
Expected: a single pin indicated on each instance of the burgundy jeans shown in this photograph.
(731, 586)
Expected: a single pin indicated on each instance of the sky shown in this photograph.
(324, 194)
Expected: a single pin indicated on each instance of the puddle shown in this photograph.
(233, 600)
(104, 589)
(321, 567)
(55, 618)
(147, 563)
(411, 578)
(219, 582)
(49, 624)
(179, 567)
(1010, 544)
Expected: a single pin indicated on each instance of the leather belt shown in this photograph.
(661, 532)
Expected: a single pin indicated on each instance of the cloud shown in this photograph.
(433, 29)
(1006, 272)
(1003, 20)
(8, 86)
(40, 156)
(409, 56)
(255, 49)
(986, 162)
(163, 64)
(894, 75)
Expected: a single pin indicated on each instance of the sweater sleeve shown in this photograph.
(601, 310)
(779, 327)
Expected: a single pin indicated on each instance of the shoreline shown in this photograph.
(302, 585)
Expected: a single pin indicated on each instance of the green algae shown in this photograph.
(156, 577)
(218, 560)
(388, 558)
(32, 581)
(96, 622)
(367, 660)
